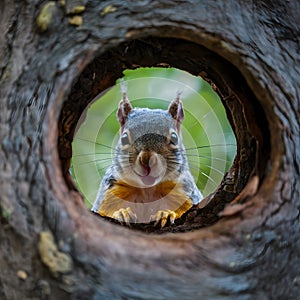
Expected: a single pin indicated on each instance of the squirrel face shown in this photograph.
(150, 149)
(149, 179)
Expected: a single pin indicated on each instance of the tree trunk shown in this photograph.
(56, 57)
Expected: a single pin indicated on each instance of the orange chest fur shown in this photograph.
(145, 202)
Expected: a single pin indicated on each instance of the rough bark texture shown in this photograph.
(49, 71)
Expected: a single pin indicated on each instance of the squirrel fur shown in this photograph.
(149, 179)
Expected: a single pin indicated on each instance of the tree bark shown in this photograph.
(56, 57)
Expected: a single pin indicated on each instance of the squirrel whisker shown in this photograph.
(209, 178)
(95, 161)
(92, 154)
(209, 157)
(210, 146)
(94, 142)
(198, 168)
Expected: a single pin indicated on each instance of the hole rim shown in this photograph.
(67, 191)
(218, 81)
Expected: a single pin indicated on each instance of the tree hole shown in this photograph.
(224, 135)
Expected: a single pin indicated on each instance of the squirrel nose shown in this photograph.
(152, 161)
(147, 159)
(144, 159)
(149, 162)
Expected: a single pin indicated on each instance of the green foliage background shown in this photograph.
(207, 134)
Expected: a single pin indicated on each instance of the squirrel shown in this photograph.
(149, 179)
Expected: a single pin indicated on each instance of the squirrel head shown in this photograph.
(175, 109)
(150, 148)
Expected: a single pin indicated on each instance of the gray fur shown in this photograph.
(148, 130)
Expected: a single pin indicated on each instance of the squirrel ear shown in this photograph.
(124, 106)
(176, 108)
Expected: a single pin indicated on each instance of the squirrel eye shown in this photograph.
(174, 139)
(124, 139)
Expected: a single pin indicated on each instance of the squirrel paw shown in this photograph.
(125, 215)
(162, 216)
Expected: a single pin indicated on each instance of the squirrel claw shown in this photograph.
(162, 217)
(125, 215)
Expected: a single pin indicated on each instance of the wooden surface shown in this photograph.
(51, 69)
